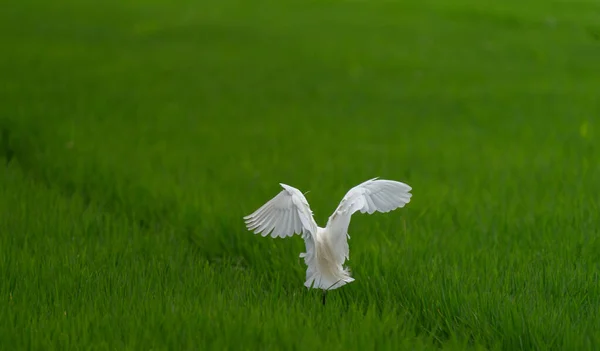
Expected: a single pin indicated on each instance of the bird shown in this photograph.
(327, 250)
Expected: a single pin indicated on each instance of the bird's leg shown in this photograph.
(325, 291)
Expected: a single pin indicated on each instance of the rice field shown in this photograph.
(135, 135)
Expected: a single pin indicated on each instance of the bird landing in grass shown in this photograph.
(327, 250)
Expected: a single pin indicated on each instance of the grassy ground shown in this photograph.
(136, 134)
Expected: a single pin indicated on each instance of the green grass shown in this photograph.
(136, 134)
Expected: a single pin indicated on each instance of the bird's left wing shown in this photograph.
(286, 214)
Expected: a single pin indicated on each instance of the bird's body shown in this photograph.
(323, 270)
(327, 249)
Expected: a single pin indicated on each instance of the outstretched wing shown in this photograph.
(286, 214)
(373, 195)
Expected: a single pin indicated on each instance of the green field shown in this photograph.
(137, 134)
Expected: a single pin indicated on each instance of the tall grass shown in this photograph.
(137, 134)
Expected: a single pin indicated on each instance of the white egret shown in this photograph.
(288, 213)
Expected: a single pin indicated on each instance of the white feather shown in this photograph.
(327, 249)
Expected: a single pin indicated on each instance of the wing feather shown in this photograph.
(286, 214)
(380, 201)
(374, 195)
(285, 223)
(266, 221)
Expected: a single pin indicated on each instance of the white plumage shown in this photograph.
(288, 213)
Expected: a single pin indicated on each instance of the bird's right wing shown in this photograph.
(375, 195)
(286, 214)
